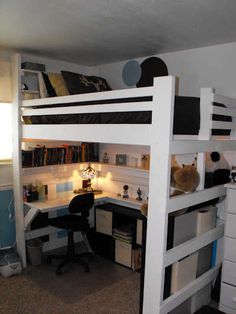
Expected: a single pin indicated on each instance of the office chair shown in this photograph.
(80, 204)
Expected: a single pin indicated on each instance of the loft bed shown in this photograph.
(158, 100)
(186, 118)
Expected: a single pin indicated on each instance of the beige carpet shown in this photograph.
(108, 288)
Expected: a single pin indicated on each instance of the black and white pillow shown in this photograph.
(80, 84)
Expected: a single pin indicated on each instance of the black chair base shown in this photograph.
(67, 260)
(70, 257)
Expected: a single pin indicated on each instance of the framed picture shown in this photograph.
(121, 159)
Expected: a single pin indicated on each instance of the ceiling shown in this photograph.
(93, 32)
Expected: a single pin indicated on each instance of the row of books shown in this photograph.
(64, 154)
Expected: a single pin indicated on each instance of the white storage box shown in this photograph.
(206, 219)
(184, 228)
(183, 272)
(104, 221)
(123, 253)
(10, 263)
(139, 231)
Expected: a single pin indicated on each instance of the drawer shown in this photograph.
(231, 201)
(230, 226)
(228, 295)
(123, 253)
(229, 273)
(103, 221)
(139, 229)
(230, 249)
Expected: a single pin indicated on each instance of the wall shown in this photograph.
(213, 66)
(7, 223)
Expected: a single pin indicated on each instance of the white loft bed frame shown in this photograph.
(162, 145)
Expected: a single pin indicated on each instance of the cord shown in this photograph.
(11, 215)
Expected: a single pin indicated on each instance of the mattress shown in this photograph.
(186, 115)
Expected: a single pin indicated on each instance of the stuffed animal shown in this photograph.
(217, 170)
(184, 179)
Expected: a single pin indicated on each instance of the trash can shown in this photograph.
(34, 251)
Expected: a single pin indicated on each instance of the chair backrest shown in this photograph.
(81, 203)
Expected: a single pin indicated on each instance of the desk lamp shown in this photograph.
(88, 174)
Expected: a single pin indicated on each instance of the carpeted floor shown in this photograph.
(107, 289)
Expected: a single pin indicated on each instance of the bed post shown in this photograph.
(206, 111)
(159, 188)
(17, 164)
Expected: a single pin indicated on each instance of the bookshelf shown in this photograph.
(41, 155)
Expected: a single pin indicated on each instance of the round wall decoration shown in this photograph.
(151, 67)
(131, 73)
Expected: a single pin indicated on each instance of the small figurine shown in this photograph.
(105, 158)
(139, 192)
(125, 187)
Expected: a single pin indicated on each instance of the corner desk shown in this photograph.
(104, 202)
(64, 198)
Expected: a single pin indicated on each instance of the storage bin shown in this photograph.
(123, 253)
(104, 221)
(183, 272)
(10, 263)
(34, 251)
(206, 219)
(181, 228)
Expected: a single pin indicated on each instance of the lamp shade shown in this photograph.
(89, 173)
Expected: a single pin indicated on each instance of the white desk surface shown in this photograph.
(64, 199)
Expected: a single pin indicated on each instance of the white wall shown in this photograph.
(213, 66)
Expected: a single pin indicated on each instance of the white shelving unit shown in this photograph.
(162, 146)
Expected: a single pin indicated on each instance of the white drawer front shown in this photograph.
(123, 253)
(229, 273)
(230, 226)
(104, 221)
(230, 249)
(231, 201)
(228, 295)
